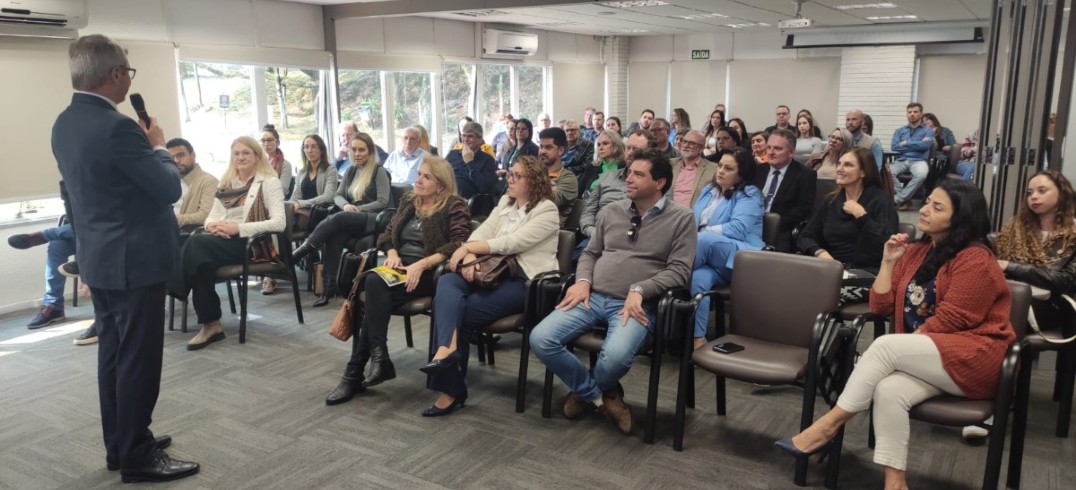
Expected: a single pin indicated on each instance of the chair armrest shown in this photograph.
(383, 218)
(712, 294)
(283, 244)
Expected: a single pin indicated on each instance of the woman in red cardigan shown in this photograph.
(950, 305)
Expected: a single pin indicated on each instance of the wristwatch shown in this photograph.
(635, 288)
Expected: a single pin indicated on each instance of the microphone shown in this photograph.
(140, 108)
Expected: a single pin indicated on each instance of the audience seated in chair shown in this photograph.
(403, 163)
(946, 287)
(362, 194)
(250, 201)
(284, 170)
(691, 172)
(640, 248)
(553, 143)
(61, 241)
(431, 223)
(788, 187)
(825, 163)
(524, 225)
(610, 186)
(728, 216)
(856, 219)
(857, 123)
(608, 158)
(521, 145)
(578, 151)
(475, 170)
(316, 183)
(913, 143)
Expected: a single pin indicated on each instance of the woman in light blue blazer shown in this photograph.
(729, 218)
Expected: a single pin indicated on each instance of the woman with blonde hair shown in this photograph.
(424, 139)
(609, 152)
(249, 201)
(524, 225)
(825, 164)
(363, 193)
(431, 223)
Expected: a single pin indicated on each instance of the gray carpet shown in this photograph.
(254, 416)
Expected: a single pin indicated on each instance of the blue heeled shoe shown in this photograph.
(787, 446)
(438, 365)
(434, 411)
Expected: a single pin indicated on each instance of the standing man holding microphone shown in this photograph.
(122, 183)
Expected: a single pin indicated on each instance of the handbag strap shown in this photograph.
(1035, 324)
(355, 283)
(477, 261)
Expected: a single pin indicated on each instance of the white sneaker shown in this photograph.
(975, 433)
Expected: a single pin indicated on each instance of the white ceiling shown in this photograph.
(593, 18)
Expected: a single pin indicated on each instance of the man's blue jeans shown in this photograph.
(919, 170)
(550, 338)
(61, 247)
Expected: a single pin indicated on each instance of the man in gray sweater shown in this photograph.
(641, 247)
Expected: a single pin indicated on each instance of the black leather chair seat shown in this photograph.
(759, 362)
(850, 312)
(416, 306)
(953, 411)
(592, 342)
(507, 324)
(233, 271)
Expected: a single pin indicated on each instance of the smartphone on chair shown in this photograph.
(728, 347)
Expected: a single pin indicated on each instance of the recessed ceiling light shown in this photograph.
(557, 24)
(480, 13)
(893, 17)
(627, 30)
(881, 5)
(748, 24)
(699, 16)
(629, 4)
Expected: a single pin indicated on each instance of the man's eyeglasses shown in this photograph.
(130, 70)
(690, 144)
(633, 232)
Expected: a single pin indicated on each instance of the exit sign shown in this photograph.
(700, 54)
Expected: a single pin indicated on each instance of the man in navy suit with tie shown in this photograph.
(788, 187)
(122, 182)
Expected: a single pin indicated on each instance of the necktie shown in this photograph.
(773, 188)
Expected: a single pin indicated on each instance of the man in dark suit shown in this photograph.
(788, 188)
(122, 182)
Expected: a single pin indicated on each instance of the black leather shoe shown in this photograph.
(324, 299)
(302, 251)
(433, 411)
(160, 467)
(381, 368)
(162, 443)
(346, 390)
(438, 365)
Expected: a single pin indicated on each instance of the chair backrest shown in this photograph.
(481, 205)
(907, 228)
(771, 225)
(776, 297)
(1021, 302)
(575, 215)
(289, 221)
(397, 192)
(565, 246)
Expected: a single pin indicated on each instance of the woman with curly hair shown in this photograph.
(524, 225)
(948, 289)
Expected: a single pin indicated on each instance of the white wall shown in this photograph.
(758, 86)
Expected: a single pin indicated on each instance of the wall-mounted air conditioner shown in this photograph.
(42, 18)
(508, 44)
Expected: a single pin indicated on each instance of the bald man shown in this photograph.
(403, 163)
(691, 172)
(853, 122)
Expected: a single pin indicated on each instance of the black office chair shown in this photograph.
(481, 205)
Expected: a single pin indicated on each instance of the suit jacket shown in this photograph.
(202, 187)
(794, 200)
(703, 176)
(122, 191)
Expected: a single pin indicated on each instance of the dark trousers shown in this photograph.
(380, 301)
(332, 234)
(460, 307)
(130, 332)
(199, 259)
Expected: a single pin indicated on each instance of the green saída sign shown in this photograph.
(700, 54)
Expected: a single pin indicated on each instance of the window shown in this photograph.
(496, 98)
(291, 97)
(360, 101)
(458, 93)
(413, 100)
(531, 92)
(216, 107)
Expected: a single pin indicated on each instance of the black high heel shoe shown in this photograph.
(302, 251)
(437, 365)
(433, 411)
(787, 446)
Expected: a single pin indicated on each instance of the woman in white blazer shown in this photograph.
(524, 225)
(249, 192)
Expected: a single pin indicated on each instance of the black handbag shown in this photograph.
(349, 269)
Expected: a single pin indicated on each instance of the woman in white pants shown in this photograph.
(950, 306)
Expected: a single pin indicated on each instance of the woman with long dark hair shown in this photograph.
(740, 127)
(950, 305)
(715, 122)
(271, 144)
(728, 215)
(613, 124)
(317, 178)
(856, 219)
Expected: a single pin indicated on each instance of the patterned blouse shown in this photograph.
(919, 301)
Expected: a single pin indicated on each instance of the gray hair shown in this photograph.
(472, 128)
(92, 59)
